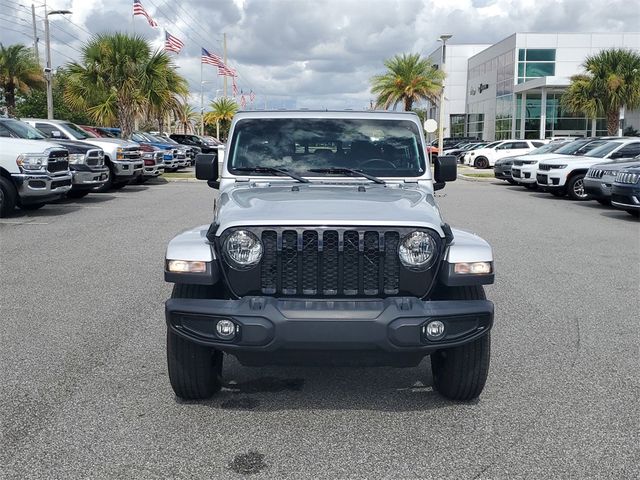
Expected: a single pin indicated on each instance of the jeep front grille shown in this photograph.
(330, 262)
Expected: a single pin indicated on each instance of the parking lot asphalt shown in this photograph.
(85, 392)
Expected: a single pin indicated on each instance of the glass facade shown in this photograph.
(457, 123)
(475, 125)
(536, 63)
(557, 118)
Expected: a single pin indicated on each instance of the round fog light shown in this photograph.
(434, 330)
(226, 329)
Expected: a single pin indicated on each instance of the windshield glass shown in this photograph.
(23, 130)
(549, 147)
(155, 139)
(77, 132)
(384, 148)
(603, 150)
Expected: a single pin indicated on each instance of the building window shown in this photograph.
(536, 63)
(475, 125)
(457, 123)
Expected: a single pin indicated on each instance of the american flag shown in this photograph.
(227, 72)
(243, 101)
(212, 59)
(234, 87)
(172, 44)
(138, 9)
(252, 96)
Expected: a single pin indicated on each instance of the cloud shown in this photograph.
(316, 53)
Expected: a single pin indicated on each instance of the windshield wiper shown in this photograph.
(259, 169)
(348, 170)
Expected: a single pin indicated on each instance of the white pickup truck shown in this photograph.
(123, 157)
(32, 173)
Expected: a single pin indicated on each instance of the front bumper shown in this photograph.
(266, 325)
(127, 169)
(598, 188)
(86, 178)
(41, 187)
(522, 174)
(152, 171)
(502, 172)
(551, 178)
(171, 164)
(626, 197)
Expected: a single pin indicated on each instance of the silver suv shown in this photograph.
(327, 247)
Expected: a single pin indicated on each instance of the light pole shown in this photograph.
(443, 39)
(48, 73)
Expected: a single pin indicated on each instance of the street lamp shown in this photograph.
(47, 70)
(443, 38)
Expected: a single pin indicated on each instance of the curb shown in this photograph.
(475, 179)
(182, 180)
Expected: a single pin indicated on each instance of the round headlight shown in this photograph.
(417, 250)
(243, 249)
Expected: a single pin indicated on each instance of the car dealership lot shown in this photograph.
(85, 391)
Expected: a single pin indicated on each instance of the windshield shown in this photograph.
(384, 148)
(155, 139)
(603, 150)
(77, 132)
(549, 147)
(23, 130)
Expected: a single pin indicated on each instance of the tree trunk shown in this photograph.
(125, 119)
(408, 104)
(161, 124)
(10, 98)
(613, 122)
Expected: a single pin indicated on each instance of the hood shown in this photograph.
(17, 146)
(73, 146)
(357, 204)
(110, 142)
(618, 164)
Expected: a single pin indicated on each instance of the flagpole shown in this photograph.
(224, 45)
(201, 100)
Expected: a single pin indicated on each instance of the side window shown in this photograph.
(504, 146)
(538, 144)
(49, 130)
(631, 150)
(520, 145)
(4, 131)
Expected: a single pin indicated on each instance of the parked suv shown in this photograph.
(565, 175)
(327, 247)
(86, 162)
(502, 169)
(625, 193)
(123, 158)
(32, 173)
(600, 177)
(206, 145)
(524, 169)
(486, 157)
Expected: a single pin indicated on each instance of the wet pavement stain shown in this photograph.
(268, 385)
(243, 403)
(248, 463)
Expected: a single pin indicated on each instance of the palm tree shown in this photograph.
(223, 110)
(611, 81)
(186, 116)
(408, 80)
(120, 78)
(19, 71)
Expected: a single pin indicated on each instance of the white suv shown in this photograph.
(486, 157)
(525, 167)
(565, 175)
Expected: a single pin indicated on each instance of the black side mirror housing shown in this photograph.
(207, 168)
(446, 170)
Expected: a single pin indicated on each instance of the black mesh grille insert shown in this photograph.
(269, 271)
(371, 263)
(391, 266)
(329, 270)
(289, 262)
(310, 262)
(350, 270)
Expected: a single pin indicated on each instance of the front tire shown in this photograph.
(8, 196)
(481, 162)
(460, 373)
(531, 186)
(77, 193)
(558, 192)
(32, 206)
(106, 186)
(194, 370)
(575, 188)
(604, 201)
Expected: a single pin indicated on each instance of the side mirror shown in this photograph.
(446, 170)
(207, 168)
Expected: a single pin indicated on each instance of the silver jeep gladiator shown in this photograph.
(327, 247)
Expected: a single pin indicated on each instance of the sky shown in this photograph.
(306, 53)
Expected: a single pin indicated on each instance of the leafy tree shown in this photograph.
(611, 81)
(34, 104)
(222, 112)
(120, 79)
(186, 116)
(408, 79)
(19, 73)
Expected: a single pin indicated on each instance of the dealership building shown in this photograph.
(512, 89)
